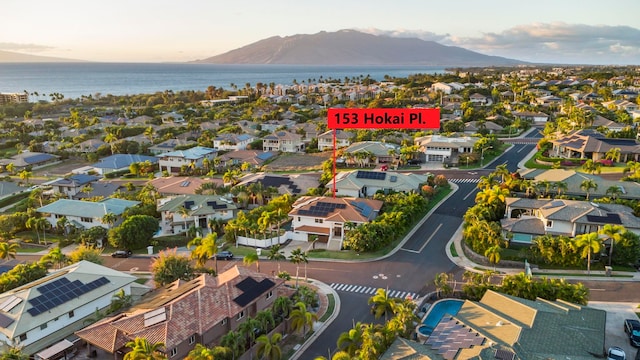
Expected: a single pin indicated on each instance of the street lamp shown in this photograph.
(482, 155)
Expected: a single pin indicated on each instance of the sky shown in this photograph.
(549, 31)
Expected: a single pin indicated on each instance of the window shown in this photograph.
(71, 314)
(86, 219)
(43, 326)
(23, 337)
(223, 322)
(298, 218)
(173, 352)
(192, 339)
(240, 315)
(269, 294)
(549, 223)
(318, 221)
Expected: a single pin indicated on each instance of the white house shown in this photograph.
(173, 161)
(284, 141)
(535, 117)
(324, 218)
(361, 183)
(85, 214)
(200, 209)
(229, 141)
(325, 140)
(443, 148)
(48, 310)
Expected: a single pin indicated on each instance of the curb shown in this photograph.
(336, 310)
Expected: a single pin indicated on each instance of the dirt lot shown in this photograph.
(291, 162)
(60, 169)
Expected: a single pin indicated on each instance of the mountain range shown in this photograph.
(350, 47)
(14, 57)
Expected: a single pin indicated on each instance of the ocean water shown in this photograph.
(74, 80)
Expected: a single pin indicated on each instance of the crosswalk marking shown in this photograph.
(370, 290)
(465, 181)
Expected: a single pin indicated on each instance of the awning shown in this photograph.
(313, 229)
(54, 350)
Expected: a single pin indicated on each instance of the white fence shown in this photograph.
(265, 243)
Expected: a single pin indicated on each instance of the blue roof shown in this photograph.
(120, 161)
(37, 158)
(265, 155)
(194, 153)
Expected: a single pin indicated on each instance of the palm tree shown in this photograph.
(268, 347)
(8, 250)
(591, 167)
(119, 300)
(613, 154)
(235, 341)
(200, 352)
(296, 257)
(561, 187)
(615, 233)
(587, 186)
(250, 259)
(301, 318)
(588, 243)
(25, 175)
(282, 306)
(382, 304)
(109, 219)
(141, 349)
(14, 353)
(205, 249)
(266, 320)
(614, 191)
(247, 330)
(351, 341)
(493, 255)
(184, 213)
(55, 256)
(275, 253)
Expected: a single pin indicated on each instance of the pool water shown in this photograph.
(436, 312)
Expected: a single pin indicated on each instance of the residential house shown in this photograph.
(479, 99)
(90, 146)
(326, 218)
(228, 141)
(365, 153)
(445, 149)
(120, 162)
(181, 185)
(48, 310)
(185, 313)
(501, 326)
(199, 210)
(309, 129)
(28, 160)
(174, 162)
(10, 188)
(534, 117)
(624, 105)
(591, 144)
(549, 100)
(283, 141)
(573, 181)
(255, 158)
(365, 184)
(325, 140)
(73, 184)
(528, 218)
(85, 214)
(276, 125)
(170, 145)
(172, 117)
(473, 127)
(603, 122)
(100, 190)
(293, 184)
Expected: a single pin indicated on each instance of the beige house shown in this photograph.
(325, 140)
(283, 141)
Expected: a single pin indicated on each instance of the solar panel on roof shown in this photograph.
(5, 321)
(253, 289)
(59, 292)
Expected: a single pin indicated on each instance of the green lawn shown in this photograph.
(330, 307)
(452, 248)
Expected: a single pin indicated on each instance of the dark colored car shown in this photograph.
(121, 254)
(224, 255)
(632, 328)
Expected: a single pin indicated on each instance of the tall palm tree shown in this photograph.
(200, 352)
(613, 232)
(301, 318)
(588, 185)
(235, 341)
(250, 259)
(205, 249)
(55, 256)
(184, 213)
(119, 300)
(282, 306)
(351, 341)
(588, 243)
(276, 253)
(382, 304)
(266, 320)
(8, 250)
(109, 219)
(141, 349)
(296, 257)
(493, 255)
(268, 347)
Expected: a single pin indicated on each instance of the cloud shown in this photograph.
(28, 48)
(420, 34)
(559, 42)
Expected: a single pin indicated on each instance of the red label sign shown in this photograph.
(383, 118)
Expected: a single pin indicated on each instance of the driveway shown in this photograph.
(615, 335)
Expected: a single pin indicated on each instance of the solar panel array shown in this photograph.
(189, 204)
(363, 208)
(373, 175)
(60, 291)
(214, 205)
(251, 289)
(321, 209)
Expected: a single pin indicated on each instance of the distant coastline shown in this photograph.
(77, 79)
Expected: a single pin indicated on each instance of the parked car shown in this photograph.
(632, 328)
(121, 254)
(616, 353)
(224, 255)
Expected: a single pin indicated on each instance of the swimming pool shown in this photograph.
(436, 312)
